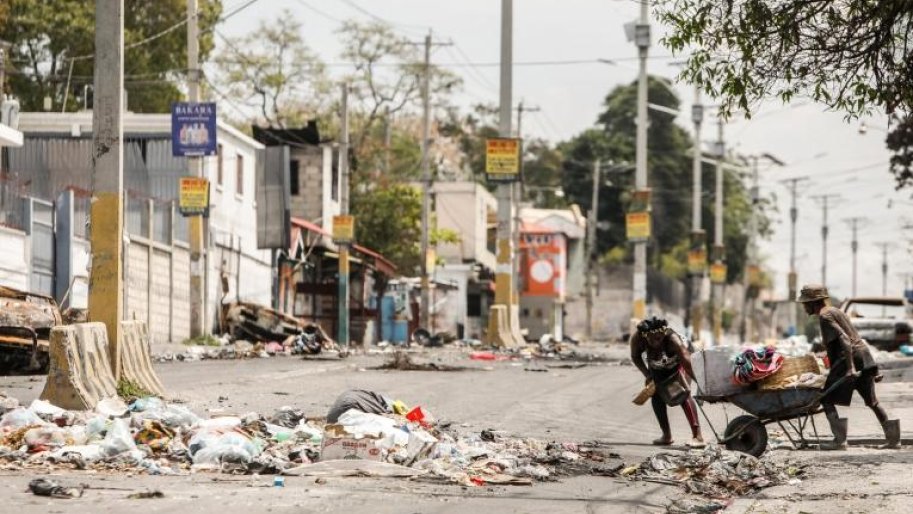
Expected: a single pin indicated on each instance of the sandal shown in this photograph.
(696, 443)
(663, 442)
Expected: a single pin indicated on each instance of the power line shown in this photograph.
(320, 12)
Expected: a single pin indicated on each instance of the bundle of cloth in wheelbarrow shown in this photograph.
(753, 364)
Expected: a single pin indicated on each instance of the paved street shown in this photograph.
(561, 404)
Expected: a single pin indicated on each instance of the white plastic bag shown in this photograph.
(20, 417)
(118, 439)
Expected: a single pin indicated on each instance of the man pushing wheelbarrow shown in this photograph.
(850, 359)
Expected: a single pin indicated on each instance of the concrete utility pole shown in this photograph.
(107, 210)
(719, 249)
(824, 200)
(426, 188)
(793, 279)
(195, 169)
(884, 266)
(342, 330)
(505, 281)
(592, 220)
(642, 40)
(854, 245)
(698, 237)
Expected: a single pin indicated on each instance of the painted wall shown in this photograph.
(14, 258)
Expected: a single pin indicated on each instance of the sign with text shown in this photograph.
(637, 225)
(502, 159)
(193, 129)
(697, 261)
(718, 273)
(343, 229)
(194, 197)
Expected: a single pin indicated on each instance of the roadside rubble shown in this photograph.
(714, 472)
(153, 437)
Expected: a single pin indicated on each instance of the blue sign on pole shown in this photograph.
(193, 128)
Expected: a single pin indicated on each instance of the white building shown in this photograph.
(54, 163)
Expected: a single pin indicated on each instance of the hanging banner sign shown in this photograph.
(718, 273)
(343, 229)
(193, 129)
(194, 196)
(637, 225)
(502, 159)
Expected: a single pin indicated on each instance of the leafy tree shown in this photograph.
(669, 163)
(272, 71)
(542, 164)
(851, 55)
(53, 41)
(386, 84)
(389, 222)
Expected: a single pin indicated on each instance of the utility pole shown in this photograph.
(343, 296)
(793, 279)
(719, 250)
(824, 199)
(642, 40)
(521, 108)
(884, 266)
(195, 169)
(425, 320)
(698, 237)
(107, 211)
(426, 189)
(592, 220)
(505, 281)
(854, 245)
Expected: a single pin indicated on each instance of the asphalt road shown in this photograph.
(545, 400)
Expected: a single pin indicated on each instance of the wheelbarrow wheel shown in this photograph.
(746, 434)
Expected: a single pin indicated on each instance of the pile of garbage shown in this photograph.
(715, 473)
(160, 438)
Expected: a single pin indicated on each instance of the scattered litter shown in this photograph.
(353, 468)
(714, 472)
(692, 506)
(146, 495)
(402, 362)
(46, 487)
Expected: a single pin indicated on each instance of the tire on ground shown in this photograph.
(750, 435)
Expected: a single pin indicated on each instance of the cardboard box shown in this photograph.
(340, 445)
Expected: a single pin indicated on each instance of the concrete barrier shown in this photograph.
(79, 375)
(135, 353)
(499, 333)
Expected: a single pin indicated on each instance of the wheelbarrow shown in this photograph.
(793, 409)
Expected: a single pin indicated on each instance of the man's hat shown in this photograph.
(812, 292)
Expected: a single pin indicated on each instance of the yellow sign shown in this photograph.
(755, 279)
(697, 261)
(718, 273)
(502, 159)
(637, 225)
(194, 197)
(431, 261)
(343, 229)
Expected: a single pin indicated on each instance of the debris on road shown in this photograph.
(401, 361)
(159, 438)
(714, 472)
(46, 487)
(146, 495)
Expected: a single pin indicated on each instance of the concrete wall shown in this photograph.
(317, 200)
(158, 289)
(15, 255)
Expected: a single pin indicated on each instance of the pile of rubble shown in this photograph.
(160, 438)
(714, 472)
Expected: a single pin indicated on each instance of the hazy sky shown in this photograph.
(813, 142)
